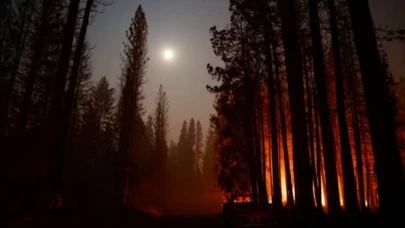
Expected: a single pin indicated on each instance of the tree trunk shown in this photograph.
(390, 175)
(69, 97)
(56, 147)
(350, 190)
(279, 91)
(348, 60)
(310, 122)
(248, 127)
(277, 201)
(318, 187)
(262, 190)
(290, 198)
(302, 169)
(326, 129)
(262, 136)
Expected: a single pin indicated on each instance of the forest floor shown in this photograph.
(113, 219)
(138, 219)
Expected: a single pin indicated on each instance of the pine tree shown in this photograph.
(191, 143)
(103, 102)
(150, 134)
(209, 163)
(159, 165)
(173, 155)
(183, 161)
(198, 145)
(149, 129)
(182, 144)
(91, 159)
(133, 72)
(389, 170)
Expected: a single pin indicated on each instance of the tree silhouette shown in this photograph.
(160, 154)
(133, 72)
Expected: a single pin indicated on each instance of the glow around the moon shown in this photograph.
(168, 54)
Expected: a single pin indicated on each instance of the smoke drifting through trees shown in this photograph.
(80, 144)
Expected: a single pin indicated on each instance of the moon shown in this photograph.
(168, 54)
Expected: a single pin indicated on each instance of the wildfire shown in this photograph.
(341, 199)
(268, 169)
(152, 211)
(323, 200)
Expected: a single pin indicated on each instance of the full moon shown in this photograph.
(168, 54)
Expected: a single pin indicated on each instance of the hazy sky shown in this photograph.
(183, 26)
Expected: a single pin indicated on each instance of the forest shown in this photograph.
(307, 117)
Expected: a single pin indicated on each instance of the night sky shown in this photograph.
(183, 26)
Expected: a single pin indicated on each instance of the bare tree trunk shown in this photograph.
(327, 134)
(350, 190)
(56, 147)
(310, 122)
(248, 127)
(302, 168)
(69, 97)
(348, 60)
(263, 199)
(318, 187)
(290, 198)
(277, 201)
(390, 175)
(262, 135)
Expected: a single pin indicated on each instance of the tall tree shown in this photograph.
(390, 175)
(350, 197)
(198, 145)
(161, 125)
(272, 107)
(302, 173)
(191, 143)
(67, 109)
(324, 113)
(103, 102)
(209, 163)
(91, 159)
(182, 147)
(56, 147)
(149, 128)
(134, 65)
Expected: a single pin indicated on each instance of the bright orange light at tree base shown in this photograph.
(370, 184)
